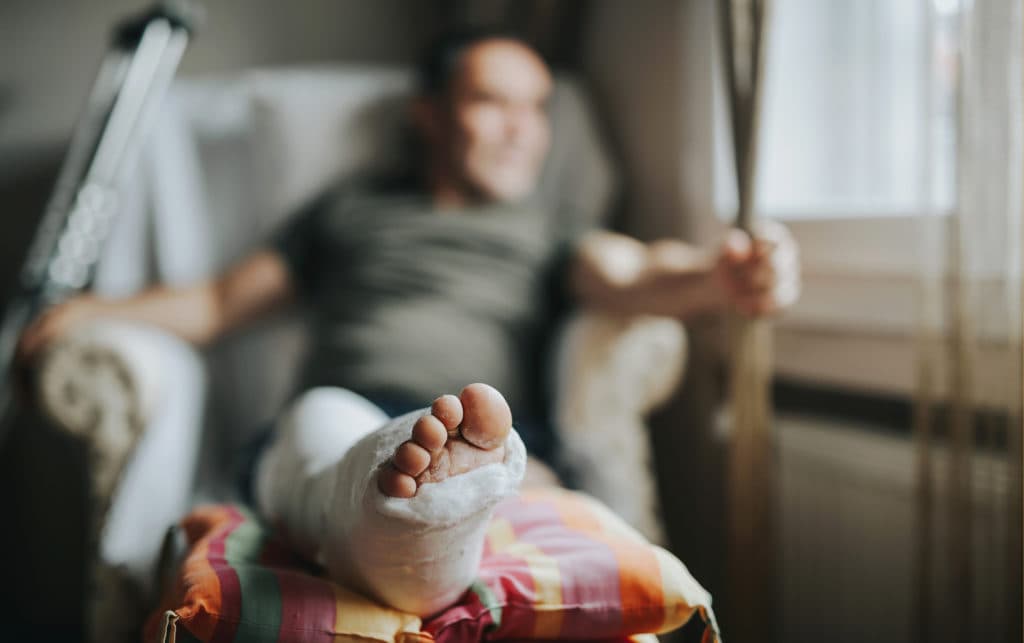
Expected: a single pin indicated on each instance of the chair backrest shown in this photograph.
(234, 157)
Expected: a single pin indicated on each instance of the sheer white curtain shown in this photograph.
(968, 427)
(849, 118)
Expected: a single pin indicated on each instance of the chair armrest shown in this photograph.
(611, 371)
(107, 384)
(104, 369)
(134, 396)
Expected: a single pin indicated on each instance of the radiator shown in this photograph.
(848, 520)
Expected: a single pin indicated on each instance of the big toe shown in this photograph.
(486, 417)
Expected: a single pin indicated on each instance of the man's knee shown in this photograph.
(323, 422)
(332, 405)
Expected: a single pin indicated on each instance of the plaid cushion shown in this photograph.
(556, 565)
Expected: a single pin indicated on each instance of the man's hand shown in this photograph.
(760, 277)
(54, 323)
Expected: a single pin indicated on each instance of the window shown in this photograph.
(858, 117)
(858, 143)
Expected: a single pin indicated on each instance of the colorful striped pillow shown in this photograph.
(556, 565)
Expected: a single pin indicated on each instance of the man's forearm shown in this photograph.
(685, 296)
(621, 275)
(203, 312)
(192, 313)
(198, 314)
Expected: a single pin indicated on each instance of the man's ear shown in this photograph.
(425, 115)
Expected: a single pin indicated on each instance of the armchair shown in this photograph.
(231, 158)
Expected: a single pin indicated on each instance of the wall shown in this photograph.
(50, 51)
(649, 64)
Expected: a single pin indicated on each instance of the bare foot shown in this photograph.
(458, 435)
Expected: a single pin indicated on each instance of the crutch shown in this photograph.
(751, 475)
(133, 78)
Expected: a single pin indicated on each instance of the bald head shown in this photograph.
(486, 125)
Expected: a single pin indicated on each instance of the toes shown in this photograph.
(448, 409)
(393, 482)
(430, 433)
(440, 467)
(486, 417)
(483, 419)
(411, 458)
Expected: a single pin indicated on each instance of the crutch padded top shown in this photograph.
(181, 14)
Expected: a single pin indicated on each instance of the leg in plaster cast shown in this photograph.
(398, 511)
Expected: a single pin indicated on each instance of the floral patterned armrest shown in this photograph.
(611, 372)
(134, 397)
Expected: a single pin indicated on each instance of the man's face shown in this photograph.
(492, 129)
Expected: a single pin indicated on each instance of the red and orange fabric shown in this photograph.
(556, 565)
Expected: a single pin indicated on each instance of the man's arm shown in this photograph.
(618, 274)
(198, 314)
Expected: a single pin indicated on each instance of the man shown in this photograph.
(419, 289)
